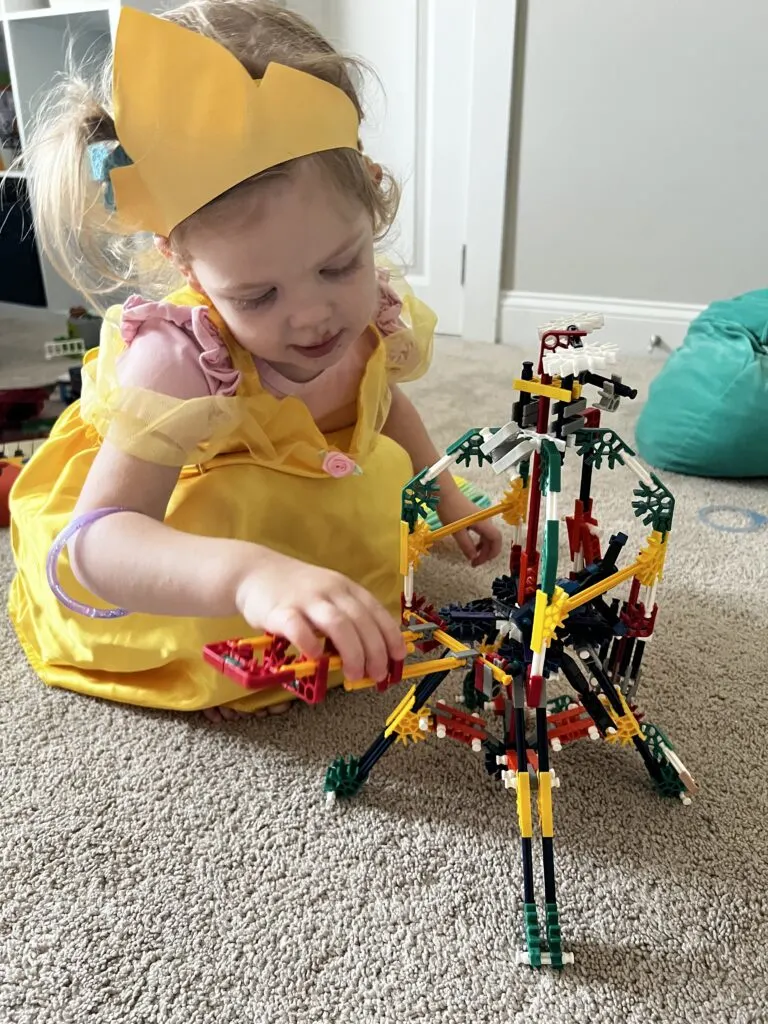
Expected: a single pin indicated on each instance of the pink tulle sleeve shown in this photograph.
(390, 307)
(174, 350)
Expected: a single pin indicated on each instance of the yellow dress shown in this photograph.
(252, 470)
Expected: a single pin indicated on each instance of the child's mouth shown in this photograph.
(322, 349)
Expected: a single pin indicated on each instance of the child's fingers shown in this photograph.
(389, 629)
(296, 628)
(341, 628)
(466, 544)
(488, 545)
(374, 647)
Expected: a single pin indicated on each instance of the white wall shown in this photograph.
(643, 150)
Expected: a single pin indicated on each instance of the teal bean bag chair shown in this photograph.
(707, 411)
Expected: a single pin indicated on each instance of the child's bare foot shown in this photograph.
(227, 714)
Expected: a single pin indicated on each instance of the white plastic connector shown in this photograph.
(589, 355)
(440, 732)
(408, 588)
(556, 745)
(546, 959)
(439, 467)
(639, 469)
(588, 322)
(477, 745)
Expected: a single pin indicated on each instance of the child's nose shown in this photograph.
(310, 315)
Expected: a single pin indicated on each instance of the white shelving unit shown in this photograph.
(35, 40)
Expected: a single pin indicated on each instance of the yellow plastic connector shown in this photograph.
(626, 725)
(533, 387)
(400, 712)
(546, 820)
(419, 544)
(650, 561)
(404, 547)
(524, 816)
(548, 617)
(515, 502)
(408, 728)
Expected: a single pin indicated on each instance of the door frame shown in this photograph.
(493, 51)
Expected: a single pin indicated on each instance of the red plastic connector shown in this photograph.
(459, 725)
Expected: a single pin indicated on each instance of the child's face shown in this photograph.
(290, 269)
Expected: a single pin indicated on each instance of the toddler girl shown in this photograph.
(237, 458)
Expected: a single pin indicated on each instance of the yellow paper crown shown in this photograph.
(193, 122)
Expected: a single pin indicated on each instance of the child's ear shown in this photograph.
(163, 245)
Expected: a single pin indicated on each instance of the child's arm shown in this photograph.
(405, 426)
(134, 560)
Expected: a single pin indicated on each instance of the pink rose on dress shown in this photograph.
(337, 464)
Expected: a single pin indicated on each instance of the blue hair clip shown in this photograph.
(105, 157)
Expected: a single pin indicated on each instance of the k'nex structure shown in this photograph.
(538, 624)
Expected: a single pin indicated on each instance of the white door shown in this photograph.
(419, 127)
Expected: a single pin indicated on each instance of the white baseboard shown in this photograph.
(629, 323)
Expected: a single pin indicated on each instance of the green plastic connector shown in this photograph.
(419, 499)
(549, 556)
(553, 936)
(655, 738)
(562, 703)
(668, 782)
(532, 934)
(598, 443)
(343, 777)
(655, 505)
(474, 699)
(551, 465)
(469, 445)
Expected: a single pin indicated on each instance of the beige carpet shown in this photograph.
(155, 868)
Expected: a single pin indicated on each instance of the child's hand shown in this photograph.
(455, 505)
(290, 598)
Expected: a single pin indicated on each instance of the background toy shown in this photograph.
(539, 623)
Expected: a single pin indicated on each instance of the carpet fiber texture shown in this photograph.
(158, 868)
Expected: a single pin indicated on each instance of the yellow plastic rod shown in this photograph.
(477, 517)
(601, 588)
(545, 390)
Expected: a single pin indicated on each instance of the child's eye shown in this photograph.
(262, 300)
(348, 268)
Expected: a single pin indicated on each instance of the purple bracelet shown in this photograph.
(53, 557)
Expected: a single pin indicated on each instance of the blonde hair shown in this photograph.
(72, 224)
